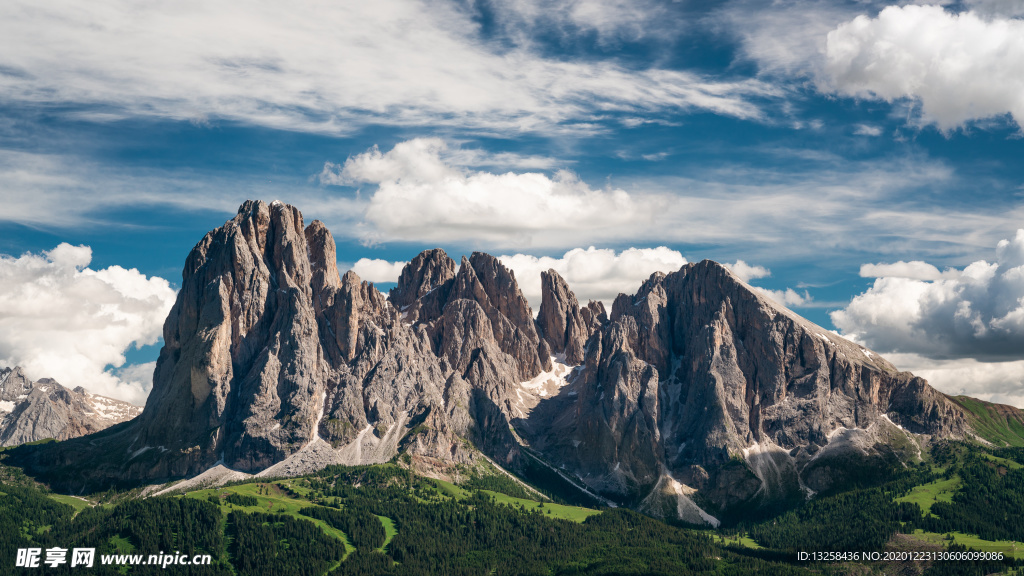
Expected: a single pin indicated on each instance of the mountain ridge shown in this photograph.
(695, 387)
(31, 411)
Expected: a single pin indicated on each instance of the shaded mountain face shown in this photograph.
(274, 363)
(700, 383)
(269, 353)
(31, 411)
(562, 323)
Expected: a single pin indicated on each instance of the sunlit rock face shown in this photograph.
(699, 378)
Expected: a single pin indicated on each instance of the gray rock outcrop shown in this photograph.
(564, 325)
(32, 411)
(700, 378)
(423, 286)
(242, 376)
(271, 358)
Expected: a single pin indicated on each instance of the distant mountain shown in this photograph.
(31, 411)
(694, 397)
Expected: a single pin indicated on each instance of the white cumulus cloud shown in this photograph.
(977, 312)
(959, 66)
(748, 272)
(63, 320)
(422, 197)
(1001, 382)
(377, 270)
(787, 297)
(593, 273)
(915, 270)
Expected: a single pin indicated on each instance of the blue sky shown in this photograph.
(861, 159)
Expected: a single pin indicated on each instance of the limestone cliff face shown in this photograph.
(242, 375)
(269, 353)
(486, 341)
(273, 361)
(563, 324)
(423, 286)
(697, 370)
(31, 411)
(608, 434)
(484, 280)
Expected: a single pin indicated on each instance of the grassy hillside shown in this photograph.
(271, 498)
(395, 523)
(925, 495)
(1008, 547)
(385, 519)
(999, 424)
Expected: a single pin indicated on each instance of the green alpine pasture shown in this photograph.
(928, 494)
(988, 423)
(1007, 547)
(387, 520)
(75, 502)
(573, 513)
(271, 499)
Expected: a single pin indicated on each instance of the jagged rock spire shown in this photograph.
(562, 323)
(241, 375)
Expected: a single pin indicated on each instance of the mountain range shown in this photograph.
(694, 397)
(32, 411)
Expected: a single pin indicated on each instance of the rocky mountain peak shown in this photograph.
(13, 383)
(31, 411)
(483, 279)
(697, 371)
(323, 256)
(423, 286)
(500, 289)
(356, 306)
(427, 272)
(562, 323)
(240, 348)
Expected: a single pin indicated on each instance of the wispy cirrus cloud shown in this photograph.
(787, 37)
(866, 130)
(433, 191)
(996, 8)
(325, 68)
(611, 21)
(60, 191)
